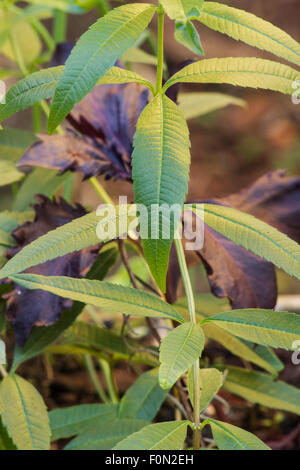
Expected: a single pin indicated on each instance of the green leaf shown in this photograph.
(187, 35)
(262, 389)
(105, 435)
(161, 161)
(6, 239)
(180, 9)
(14, 142)
(178, 352)
(108, 296)
(30, 90)
(134, 54)
(97, 340)
(39, 181)
(27, 41)
(242, 71)
(68, 6)
(24, 414)
(208, 305)
(74, 420)
(119, 75)
(266, 327)
(2, 352)
(196, 104)
(159, 436)
(95, 52)
(250, 29)
(229, 437)
(9, 221)
(211, 381)
(6, 442)
(9, 173)
(42, 336)
(254, 235)
(144, 398)
(74, 236)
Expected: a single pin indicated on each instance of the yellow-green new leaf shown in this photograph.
(159, 436)
(101, 294)
(97, 51)
(211, 381)
(196, 104)
(229, 437)
(24, 414)
(180, 9)
(160, 166)
(242, 71)
(178, 352)
(262, 389)
(246, 27)
(116, 75)
(253, 234)
(266, 327)
(9, 173)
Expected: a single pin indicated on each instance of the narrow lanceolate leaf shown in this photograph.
(144, 398)
(24, 414)
(178, 352)
(95, 52)
(237, 346)
(159, 436)
(9, 173)
(266, 327)
(74, 420)
(161, 161)
(250, 29)
(42, 336)
(211, 381)
(196, 104)
(30, 90)
(68, 238)
(262, 389)
(116, 75)
(229, 437)
(254, 235)
(101, 294)
(242, 71)
(180, 9)
(106, 435)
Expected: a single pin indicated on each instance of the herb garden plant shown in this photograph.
(54, 261)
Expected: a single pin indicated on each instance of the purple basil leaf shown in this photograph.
(27, 308)
(106, 120)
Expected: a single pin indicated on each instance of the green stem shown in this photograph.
(100, 191)
(160, 49)
(196, 367)
(60, 26)
(94, 378)
(111, 387)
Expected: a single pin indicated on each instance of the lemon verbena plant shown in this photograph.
(159, 167)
